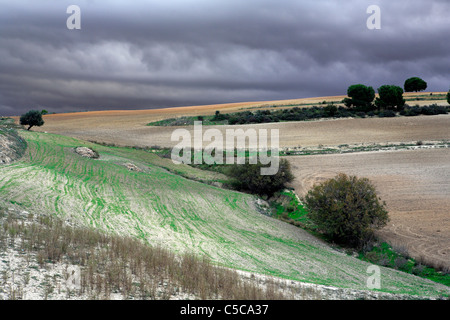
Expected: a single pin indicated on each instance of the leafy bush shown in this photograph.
(429, 111)
(330, 110)
(433, 109)
(411, 111)
(387, 114)
(346, 209)
(247, 177)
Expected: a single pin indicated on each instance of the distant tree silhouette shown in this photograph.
(32, 118)
(414, 84)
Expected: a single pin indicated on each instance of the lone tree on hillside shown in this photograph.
(347, 209)
(32, 118)
(360, 96)
(415, 84)
(390, 98)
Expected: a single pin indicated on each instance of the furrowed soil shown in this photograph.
(415, 185)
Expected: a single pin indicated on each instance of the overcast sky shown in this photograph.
(146, 54)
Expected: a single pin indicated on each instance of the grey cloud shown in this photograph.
(146, 54)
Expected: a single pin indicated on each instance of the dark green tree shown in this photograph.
(390, 98)
(247, 177)
(361, 97)
(346, 209)
(448, 96)
(415, 84)
(32, 118)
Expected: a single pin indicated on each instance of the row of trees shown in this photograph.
(361, 98)
(361, 102)
(390, 96)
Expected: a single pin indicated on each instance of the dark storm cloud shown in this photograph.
(145, 54)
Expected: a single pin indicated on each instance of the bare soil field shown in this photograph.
(292, 134)
(129, 128)
(414, 184)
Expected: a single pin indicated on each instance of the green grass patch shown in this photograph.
(383, 254)
(288, 205)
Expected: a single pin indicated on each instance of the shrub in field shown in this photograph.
(433, 109)
(346, 209)
(387, 114)
(330, 110)
(411, 111)
(430, 110)
(247, 177)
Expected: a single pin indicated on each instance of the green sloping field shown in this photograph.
(161, 207)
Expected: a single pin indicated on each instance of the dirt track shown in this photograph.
(414, 184)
